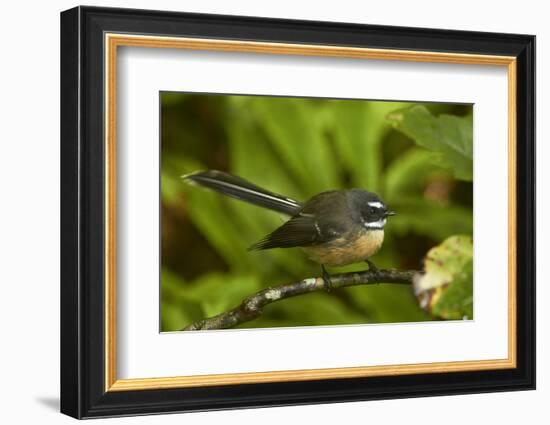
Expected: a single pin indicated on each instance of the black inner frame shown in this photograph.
(82, 212)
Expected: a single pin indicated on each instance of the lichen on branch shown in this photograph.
(252, 306)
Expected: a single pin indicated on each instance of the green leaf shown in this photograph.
(387, 303)
(169, 187)
(359, 129)
(219, 292)
(451, 137)
(409, 173)
(253, 159)
(177, 310)
(206, 296)
(429, 218)
(360, 158)
(294, 128)
(175, 317)
(314, 309)
(208, 212)
(446, 288)
(456, 301)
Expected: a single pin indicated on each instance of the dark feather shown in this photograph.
(323, 219)
(298, 231)
(243, 190)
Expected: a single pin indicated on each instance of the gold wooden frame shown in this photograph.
(113, 41)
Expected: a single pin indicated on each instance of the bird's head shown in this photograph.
(368, 209)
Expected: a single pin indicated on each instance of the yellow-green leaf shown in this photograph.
(445, 289)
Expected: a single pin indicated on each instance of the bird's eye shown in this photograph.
(372, 210)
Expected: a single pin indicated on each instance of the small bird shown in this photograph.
(334, 228)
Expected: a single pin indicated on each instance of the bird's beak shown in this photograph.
(389, 213)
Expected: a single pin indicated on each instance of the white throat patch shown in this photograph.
(379, 224)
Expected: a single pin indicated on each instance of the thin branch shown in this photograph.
(252, 306)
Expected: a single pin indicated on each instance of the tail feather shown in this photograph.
(243, 190)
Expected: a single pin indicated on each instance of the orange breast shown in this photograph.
(339, 253)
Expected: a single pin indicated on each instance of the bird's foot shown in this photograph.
(326, 279)
(372, 266)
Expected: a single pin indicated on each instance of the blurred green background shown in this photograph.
(299, 147)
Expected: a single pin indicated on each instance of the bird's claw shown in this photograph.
(372, 266)
(326, 279)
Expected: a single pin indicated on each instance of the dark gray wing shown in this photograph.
(300, 230)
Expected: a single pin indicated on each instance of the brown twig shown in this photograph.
(252, 307)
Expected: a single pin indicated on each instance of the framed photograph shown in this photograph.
(261, 212)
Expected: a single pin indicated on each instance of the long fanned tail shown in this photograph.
(243, 190)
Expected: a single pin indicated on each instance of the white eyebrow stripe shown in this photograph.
(375, 204)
